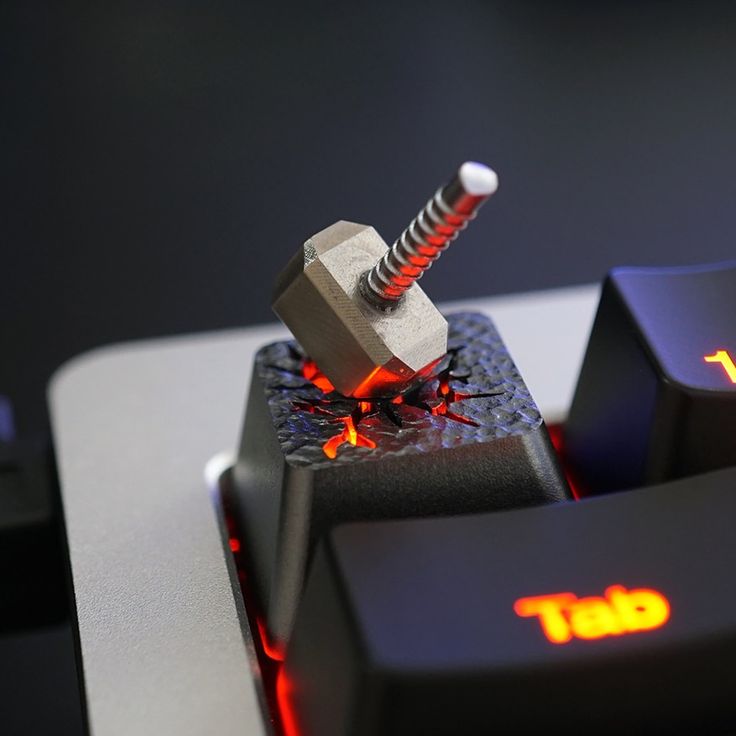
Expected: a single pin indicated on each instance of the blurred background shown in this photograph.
(161, 161)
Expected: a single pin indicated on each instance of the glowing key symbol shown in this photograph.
(563, 616)
(722, 357)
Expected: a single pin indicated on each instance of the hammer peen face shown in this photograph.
(365, 352)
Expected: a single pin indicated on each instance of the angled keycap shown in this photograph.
(656, 397)
(614, 614)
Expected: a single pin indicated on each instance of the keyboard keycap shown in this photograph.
(656, 398)
(614, 614)
(471, 439)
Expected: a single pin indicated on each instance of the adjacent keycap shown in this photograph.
(656, 398)
(614, 614)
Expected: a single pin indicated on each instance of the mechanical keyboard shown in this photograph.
(609, 612)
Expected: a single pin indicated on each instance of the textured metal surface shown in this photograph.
(478, 365)
(162, 646)
(364, 351)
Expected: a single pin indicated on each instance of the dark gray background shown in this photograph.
(161, 161)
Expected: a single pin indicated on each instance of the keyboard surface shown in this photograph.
(622, 593)
(142, 433)
(406, 626)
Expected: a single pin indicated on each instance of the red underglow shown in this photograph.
(556, 435)
(382, 381)
(379, 381)
(283, 699)
(269, 649)
(312, 373)
(276, 686)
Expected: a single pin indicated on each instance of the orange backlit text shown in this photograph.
(564, 616)
(722, 357)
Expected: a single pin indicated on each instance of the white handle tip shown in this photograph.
(478, 179)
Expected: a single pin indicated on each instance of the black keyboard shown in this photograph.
(607, 603)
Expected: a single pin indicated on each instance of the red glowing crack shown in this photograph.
(447, 396)
(349, 434)
(312, 373)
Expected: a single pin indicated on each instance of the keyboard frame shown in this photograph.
(142, 432)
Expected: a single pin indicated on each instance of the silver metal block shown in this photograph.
(364, 351)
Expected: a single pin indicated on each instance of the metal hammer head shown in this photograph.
(365, 352)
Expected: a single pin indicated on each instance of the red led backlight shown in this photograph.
(276, 686)
(283, 693)
(379, 381)
(555, 434)
(564, 616)
(315, 375)
(349, 435)
(271, 651)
